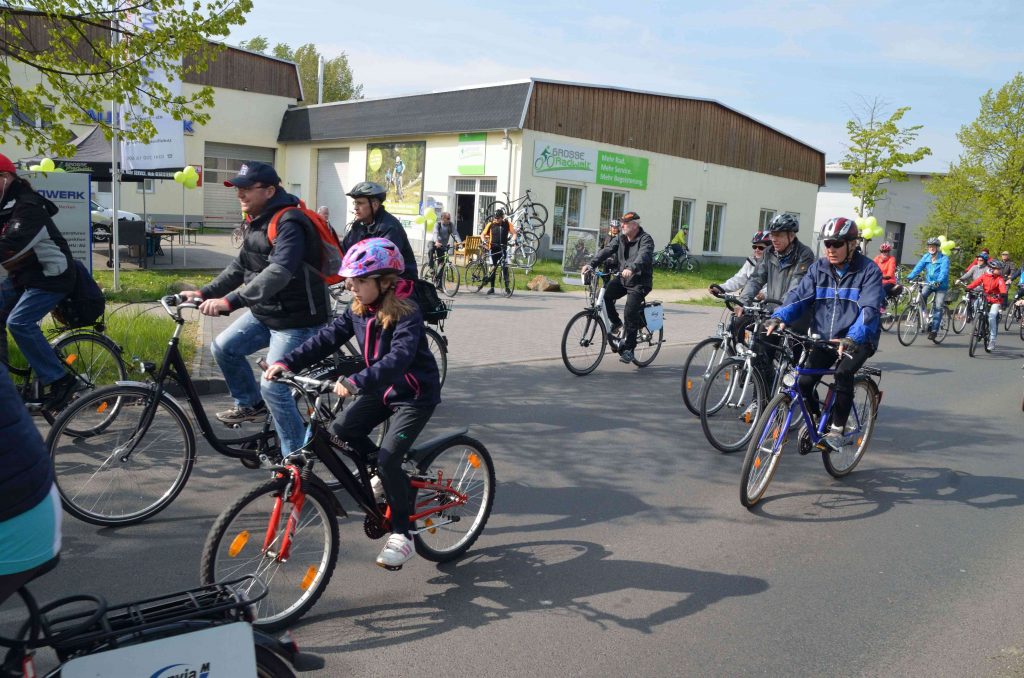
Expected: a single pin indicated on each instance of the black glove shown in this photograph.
(716, 290)
(772, 324)
(848, 345)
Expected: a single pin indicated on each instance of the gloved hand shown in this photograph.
(847, 345)
(773, 324)
(716, 290)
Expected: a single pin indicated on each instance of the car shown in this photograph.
(103, 217)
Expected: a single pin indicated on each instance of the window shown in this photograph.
(766, 218)
(613, 206)
(568, 212)
(147, 186)
(713, 220)
(472, 197)
(682, 213)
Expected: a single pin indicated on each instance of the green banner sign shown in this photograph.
(625, 171)
(472, 153)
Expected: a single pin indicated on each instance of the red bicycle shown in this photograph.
(295, 512)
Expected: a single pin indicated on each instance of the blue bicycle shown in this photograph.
(771, 432)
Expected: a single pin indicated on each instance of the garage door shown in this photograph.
(220, 203)
(331, 178)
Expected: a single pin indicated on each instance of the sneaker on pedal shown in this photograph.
(61, 392)
(240, 414)
(398, 550)
(616, 330)
(931, 334)
(835, 438)
(490, 291)
(626, 356)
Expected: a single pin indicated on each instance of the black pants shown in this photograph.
(354, 427)
(496, 254)
(634, 307)
(821, 358)
(434, 254)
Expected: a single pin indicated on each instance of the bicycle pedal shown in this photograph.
(390, 568)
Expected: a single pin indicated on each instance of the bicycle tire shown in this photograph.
(909, 325)
(88, 469)
(494, 206)
(944, 323)
(450, 279)
(529, 239)
(465, 466)
(960, 316)
(476, 276)
(864, 411)
(1022, 329)
(525, 256)
(695, 370)
(309, 568)
(983, 339)
(96, 361)
(1008, 318)
(648, 346)
(690, 265)
(729, 420)
(508, 279)
(761, 462)
(584, 331)
(972, 346)
(888, 319)
(269, 665)
(538, 211)
(439, 347)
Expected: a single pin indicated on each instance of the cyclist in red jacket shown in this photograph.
(887, 263)
(994, 285)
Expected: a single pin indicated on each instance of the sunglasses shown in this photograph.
(762, 248)
(834, 244)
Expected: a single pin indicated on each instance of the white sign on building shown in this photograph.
(70, 193)
(557, 160)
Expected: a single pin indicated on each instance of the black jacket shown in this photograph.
(281, 283)
(637, 256)
(28, 471)
(385, 225)
(32, 249)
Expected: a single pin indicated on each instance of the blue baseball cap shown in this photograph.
(251, 173)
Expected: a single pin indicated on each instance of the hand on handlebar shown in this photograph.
(190, 295)
(716, 290)
(271, 373)
(586, 269)
(215, 307)
(773, 324)
(340, 390)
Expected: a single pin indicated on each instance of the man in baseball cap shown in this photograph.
(252, 173)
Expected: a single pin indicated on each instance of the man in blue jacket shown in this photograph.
(845, 290)
(935, 265)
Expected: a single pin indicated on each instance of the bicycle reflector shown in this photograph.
(71, 358)
(310, 577)
(428, 523)
(474, 460)
(238, 543)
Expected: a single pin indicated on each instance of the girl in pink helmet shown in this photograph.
(400, 379)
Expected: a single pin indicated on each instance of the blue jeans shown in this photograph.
(231, 350)
(937, 302)
(20, 312)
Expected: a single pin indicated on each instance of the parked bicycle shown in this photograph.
(522, 255)
(588, 333)
(917, 317)
(523, 205)
(443, 274)
(670, 260)
(482, 271)
(199, 630)
(284, 531)
(788, 408)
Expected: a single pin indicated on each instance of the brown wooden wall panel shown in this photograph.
(686, 128)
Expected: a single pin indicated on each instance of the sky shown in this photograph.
(803, 68)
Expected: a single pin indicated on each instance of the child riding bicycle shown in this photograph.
(400, 382)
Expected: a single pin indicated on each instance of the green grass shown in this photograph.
(663, 280)
(149, 285)
(707, 300)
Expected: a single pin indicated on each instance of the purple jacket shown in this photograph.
(400, 369)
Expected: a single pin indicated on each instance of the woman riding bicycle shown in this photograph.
(887, 263)
(400, 381)
(994, 285)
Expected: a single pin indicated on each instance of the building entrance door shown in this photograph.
(465, 212)
(894, 234)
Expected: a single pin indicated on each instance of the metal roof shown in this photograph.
(472, 109)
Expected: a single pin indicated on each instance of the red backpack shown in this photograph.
(330, 247)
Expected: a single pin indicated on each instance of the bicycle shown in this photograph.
(980, 332)
(123, 468)
(522, 255)
(443, 274)
(199, 629)
(482, 271)
(917, 316)
(588, 333)
(1013, 314)
(284, 531)
(524, 204)
(669, 260)
(771, 432)
(703, 358)
(735, 391)
(93, 357)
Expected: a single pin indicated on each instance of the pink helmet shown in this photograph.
(885, 247)
(373, 256)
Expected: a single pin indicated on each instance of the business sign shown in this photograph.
(556, 160)
(399, 168)
(70, 193)
(625, 171)
(472, 153)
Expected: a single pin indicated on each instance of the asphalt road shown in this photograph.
(618, 545)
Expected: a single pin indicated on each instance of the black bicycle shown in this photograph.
(482, 271)
(443, 274)
(980, 331)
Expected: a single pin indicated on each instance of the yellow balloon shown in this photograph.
(861, 223)
(59, 170)
(942, 239)
(872, 222)
(190, 171)
(47, 165)
(179, 176)
(430, 217)
(36, 168)
(191, 182)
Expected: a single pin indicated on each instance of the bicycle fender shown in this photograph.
(420, 452)
(287, 649)
(172, 401)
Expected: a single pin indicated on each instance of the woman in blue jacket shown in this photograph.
(935, 264)
(845, 289)
(400, 381)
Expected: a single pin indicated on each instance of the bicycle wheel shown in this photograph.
(729, 405)
(944, 322)
(583, 343)
(859, 428)
(525, 256)
(975, 337)
(439, 347)
(960, 316)
(461, 473)
(508, 279)
(983, 339)
(909, 325)
(269, 665)
(703, 358)
(538, 211)
(476, 276)
(235, 547)
(1022, 329)
(529, 239)
(450, 279)
(888, 319)
(648, 345)
(96, 361)
(764, 450)
(494, 206)
(690, 265)
(1008, 318)
(127, 469)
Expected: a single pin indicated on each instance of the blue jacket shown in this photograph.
(28, 471)
(843, 307)
(400, 369)
(936, 272)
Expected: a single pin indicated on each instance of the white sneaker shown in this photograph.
(835, 438)
(397, 551)
(378, 488)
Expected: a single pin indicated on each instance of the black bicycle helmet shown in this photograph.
(760, 238)
(368, 189)
(933, 241)
(839, 228)
(499, 213)
(784, 222)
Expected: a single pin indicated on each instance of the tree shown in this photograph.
(339, 84)
(984, 193)
(877, 152)
(68, 44)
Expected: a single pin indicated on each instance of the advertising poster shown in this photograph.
(70, 193)
(472, 153)
(399, 168)
(562, 161)
(580, 248)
